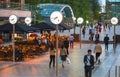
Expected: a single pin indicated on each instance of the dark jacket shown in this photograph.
(97, 36)
(91, 60)
(106, 40)
(66, 43)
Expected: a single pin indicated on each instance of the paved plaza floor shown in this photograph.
(38, 66)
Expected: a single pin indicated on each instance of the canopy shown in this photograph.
(18, 28)
(44, 26)
(66, 27)
(50, 26)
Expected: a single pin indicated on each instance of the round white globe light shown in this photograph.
(28, 20)
(114, 20)
(56, 17)
(13, 19)
(80, 20)
(87, 21)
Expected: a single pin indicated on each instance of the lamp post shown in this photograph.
(13, 20)
(114, 21)
(80, 21)
(87, 23)
(56, 18)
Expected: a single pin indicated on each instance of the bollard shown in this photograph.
(109, 74)
(115, 71)
(119, 71)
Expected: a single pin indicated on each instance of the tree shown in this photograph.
(14, 0)
(34, 10)
(96, 10)
(81, 8)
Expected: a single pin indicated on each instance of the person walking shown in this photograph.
(89, 63)
(97, 36)
(71, 39)
(66, 45)
(83, 32)
(98, 51)
(63, 54)
(106, 41)
(52, 55)
(91, 38)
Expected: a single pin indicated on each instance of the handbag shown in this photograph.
(68, 61)
(59, 60)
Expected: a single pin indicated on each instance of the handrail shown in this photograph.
(108, 73)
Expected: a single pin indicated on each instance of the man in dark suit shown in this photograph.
(106, 41)
(89, 63)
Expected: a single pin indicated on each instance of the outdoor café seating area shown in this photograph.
(33, 46)
(30, 41)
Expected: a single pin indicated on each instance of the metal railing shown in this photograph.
(114, 72)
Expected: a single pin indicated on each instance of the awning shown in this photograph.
(50, 26)
(44, 26)
(18, 28)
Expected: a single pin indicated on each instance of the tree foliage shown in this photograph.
(81, 8)
(96, 10)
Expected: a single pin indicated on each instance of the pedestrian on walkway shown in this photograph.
(83, 32)
(52, 55)
(98, 51)
(104, 26)
(106, 41)
(97, 36)
(91, 38)
(90, 31)
(63, 54)
(89, 63)
(66, 45)
(71, 39)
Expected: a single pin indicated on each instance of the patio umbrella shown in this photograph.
(18, 28)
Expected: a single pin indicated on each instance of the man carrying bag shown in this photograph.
(89, 63)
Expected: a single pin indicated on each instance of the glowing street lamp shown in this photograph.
(114, 21)
(56, 18)
(13, 20)
(87, 21)
(28, 20)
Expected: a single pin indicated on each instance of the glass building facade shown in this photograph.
(114, 8)
(46, 9)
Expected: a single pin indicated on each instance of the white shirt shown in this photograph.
(71, 38)
(88, 60)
